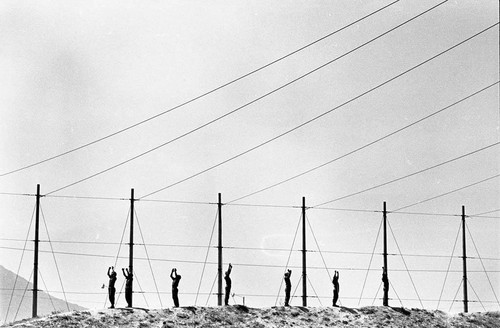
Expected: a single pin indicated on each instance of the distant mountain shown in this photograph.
(7, 279)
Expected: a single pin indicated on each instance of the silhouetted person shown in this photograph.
(288, 287)
(336, 287)
(111, 286)
(128, 286)
(385, 281)
(175, 284)
(228, 284)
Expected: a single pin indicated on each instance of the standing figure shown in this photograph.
(385, 281)
(128, 286)
(288, 286)
(336, 287)
(111, 286)
(175, 284)
(228, 284)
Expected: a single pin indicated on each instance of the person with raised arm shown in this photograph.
(128, 286)
(336, 289)
(111, 286)
(175, 286)
(228, 284)
(288, 286)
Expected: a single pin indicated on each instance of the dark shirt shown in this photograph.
(287, 282)
(336, 283)
(228, 281)
(175, 282)
(112, 280)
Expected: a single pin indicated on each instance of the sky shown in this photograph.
(75, 72)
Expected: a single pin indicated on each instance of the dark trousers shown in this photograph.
(175, 296)
(128, 296)
(111, 294)
(335, 297)
(228, 292)
(287, 296)
(386, 296)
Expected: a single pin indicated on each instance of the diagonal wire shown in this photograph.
(319, 249)
(395, 292)
(376, 294)
(147, 255)
(477, 296)
(449, 265)
(203, 94)
(296, 287)
(54, 256)
(206, 257)
(20, 262)
(288, 260)
(46, 289)
(481, 260)
(251, 102)
(364, 146)
(118, 253)
(314, 290)
(370, 263)
(140, 288)
(404, 262)
(447, 193)
(455, 297)
(24, 293)
(212, 288)
(411, 174)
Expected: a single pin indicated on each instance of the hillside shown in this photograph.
(241, 316)
(45, 305)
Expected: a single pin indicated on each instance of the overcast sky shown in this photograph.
(74, 72)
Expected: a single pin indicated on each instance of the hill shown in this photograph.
(244, 317)
(45, 305)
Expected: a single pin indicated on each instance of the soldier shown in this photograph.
(111, 286)
(288, 286)
(336, 289)
(128, 286)
(385, 281)
(228, 284)
(175, 284)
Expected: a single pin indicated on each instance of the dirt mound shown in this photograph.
(242, 316)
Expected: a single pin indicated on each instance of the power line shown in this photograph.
(199, 96)
(366, 145)
(411, 174)
(241, 107)
(447, 193)
(242, 264)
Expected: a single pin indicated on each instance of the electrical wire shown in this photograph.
(20, 262)
(479, 300)
(24, 293)
(45, 286)
(241, 107)
(447, 193)
(206, 256)
(455, 297)
(288, 260)
(411, 174)
(370, 263)
(201, 95)
(54, 256)
(404, 262)
(482, 264)
(448, 268)
(364, 146)
(147, 255)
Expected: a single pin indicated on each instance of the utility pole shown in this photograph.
(304, 269)
(219, 248)
(464, 258)
(131, 244)
(34, 308)
(385, 275)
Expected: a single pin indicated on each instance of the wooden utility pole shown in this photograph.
(304, 267)
(131, 244)
(34, 308)
(464, 259)
(386, 269)
(219, 249)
